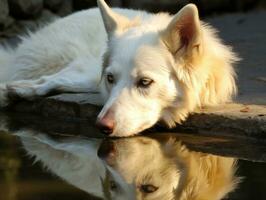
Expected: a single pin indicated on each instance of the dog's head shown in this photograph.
(140, 67)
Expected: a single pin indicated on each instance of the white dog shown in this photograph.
(148, 67)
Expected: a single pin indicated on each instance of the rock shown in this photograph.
(53, 5)
(6, 23)
(83, 4)
(60, 7)
(66, 8)
(4, 17)
(230, 119)
(24, 9)
(45, 17)
(3, 10)
(226, 119)
(208, 7)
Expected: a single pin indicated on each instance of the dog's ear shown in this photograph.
(112, 20)
(183, 34)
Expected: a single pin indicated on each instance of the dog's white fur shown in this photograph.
(176, 172)
(186, 62)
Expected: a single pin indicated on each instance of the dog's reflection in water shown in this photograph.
(135, 168)
(168, 170)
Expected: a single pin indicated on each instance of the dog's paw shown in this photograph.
(181, 116)
(25, 90)
(18, 91)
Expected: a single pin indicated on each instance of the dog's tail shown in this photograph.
(6, 55)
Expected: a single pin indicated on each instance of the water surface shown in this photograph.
(51, 159)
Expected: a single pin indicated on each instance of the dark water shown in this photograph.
(43, 159)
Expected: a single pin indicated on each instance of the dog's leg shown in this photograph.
(82, 75)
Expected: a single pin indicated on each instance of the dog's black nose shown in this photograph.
(107, 151)
(105, 126)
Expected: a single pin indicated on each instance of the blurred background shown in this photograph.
(15, 15)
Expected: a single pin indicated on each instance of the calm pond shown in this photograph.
(47, 159)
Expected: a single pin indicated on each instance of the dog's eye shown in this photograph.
(144, 82)
(110, 78)
(148, 188)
